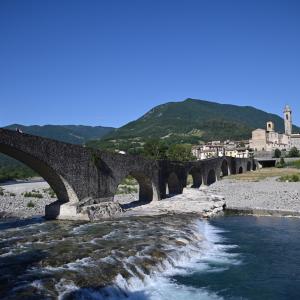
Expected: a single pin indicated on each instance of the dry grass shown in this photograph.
(264, 173)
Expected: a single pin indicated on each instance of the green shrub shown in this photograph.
(30, 204)
(277, 153)
(290, 178)
(294, 152)
(33, 195)
(50, 192)
(281, 163)
(294, 164)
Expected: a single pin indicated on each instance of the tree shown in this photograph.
(294, 152)
(155, 149)
(180, 152)
(277, 153)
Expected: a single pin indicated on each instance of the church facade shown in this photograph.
(269, 140)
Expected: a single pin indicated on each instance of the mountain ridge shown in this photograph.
(74, 134)
(191, 121)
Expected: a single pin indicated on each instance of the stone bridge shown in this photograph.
(82, 176)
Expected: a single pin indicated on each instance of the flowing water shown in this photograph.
(166, 257)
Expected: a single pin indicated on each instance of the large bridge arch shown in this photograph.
(57, 182)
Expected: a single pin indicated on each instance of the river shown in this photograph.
(167, 257)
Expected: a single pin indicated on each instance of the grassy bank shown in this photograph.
(264, 173)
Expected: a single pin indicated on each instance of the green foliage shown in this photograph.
(294, 152)
(50, 192)
(281, 163)
(33, 194)
(294, 164)
(155, 149)
(127, 189)
(128, 186)
(277, 153)
(30, 204)
(180, 152)
(290, 178)
(15, 172)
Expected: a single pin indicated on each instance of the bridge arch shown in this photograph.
(64, 191)
(241, 170)
(211, 177)
(147, 190)
(197, 177)
(224, 168)
(173, 184)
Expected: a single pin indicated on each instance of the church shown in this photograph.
(269, 140)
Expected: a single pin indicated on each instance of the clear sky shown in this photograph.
(107, 62)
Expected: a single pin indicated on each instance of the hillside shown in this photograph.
(74, 134)
(190, 121)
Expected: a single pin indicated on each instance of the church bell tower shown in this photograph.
(288, 120)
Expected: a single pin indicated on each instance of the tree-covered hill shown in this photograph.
(190, 121)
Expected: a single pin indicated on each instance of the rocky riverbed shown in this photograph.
(267, 196)
(24, 199)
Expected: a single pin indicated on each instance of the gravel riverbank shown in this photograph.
(267, 196)
(13, 202)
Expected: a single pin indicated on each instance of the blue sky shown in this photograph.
(108, 62)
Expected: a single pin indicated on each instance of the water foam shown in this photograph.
(202, 248)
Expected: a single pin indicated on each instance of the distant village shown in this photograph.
(263, 142)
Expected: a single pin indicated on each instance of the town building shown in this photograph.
(268, 139)
(217, 149)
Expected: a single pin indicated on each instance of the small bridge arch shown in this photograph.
(147, 191)
(249, 166)
(173, 184)
(196, 174)
(224, 168)
(211, 177)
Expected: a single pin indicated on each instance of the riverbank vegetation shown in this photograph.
(128, 186)
(290, 178)
(264, 173)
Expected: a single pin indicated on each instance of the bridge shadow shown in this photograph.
(133, 204)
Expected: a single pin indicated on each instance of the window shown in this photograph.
(287, 116)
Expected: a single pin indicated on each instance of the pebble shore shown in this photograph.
(13, 203)
(267, 196)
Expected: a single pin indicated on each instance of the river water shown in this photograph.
(167, 257)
